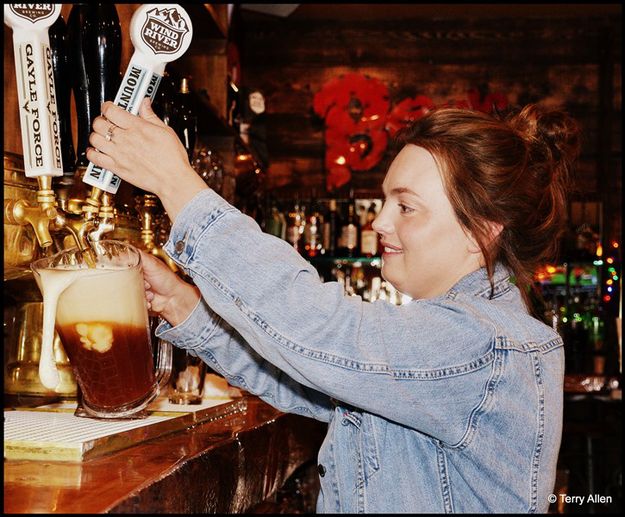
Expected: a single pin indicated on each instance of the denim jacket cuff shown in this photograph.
(193, 331)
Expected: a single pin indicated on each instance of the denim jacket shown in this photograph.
(450, 404)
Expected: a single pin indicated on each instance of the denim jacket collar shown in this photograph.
(478, 284)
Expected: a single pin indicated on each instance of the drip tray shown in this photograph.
(53, 433)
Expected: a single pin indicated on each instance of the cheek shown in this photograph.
(412, 236)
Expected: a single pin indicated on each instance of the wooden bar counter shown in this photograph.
(228, 465)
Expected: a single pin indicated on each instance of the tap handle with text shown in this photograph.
(160, 33)
(36, 93)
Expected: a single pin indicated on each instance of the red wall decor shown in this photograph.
(354, 107)
(407, 111)
(358, 121)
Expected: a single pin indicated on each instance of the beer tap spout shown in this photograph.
(78, 230)
(38, 216)
(106, 219)
(22, 213)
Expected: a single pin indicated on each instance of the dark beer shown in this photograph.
(112, 362)
(102, 320)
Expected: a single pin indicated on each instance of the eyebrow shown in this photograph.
(404, 190)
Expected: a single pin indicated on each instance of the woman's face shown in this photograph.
(425, 250)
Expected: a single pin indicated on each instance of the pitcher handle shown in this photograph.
(164, 363)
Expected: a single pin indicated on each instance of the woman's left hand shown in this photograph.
(144, 151)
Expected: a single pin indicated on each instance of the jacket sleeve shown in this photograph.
(207, 335)
(408, 363)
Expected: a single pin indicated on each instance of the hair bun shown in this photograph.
(553, 128)
(553, 140)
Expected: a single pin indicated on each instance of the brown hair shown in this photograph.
(513, 171)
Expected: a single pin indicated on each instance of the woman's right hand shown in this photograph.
(166, 293)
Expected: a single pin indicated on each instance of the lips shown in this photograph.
(389, 249)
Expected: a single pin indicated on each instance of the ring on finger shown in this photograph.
(109, 133)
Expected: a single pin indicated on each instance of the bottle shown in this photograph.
(63, 87)
(575, 338)
(302, 225)
(351, 231)
(368, 236)
(358, 279)
(313, 245)
(594, 322)
(184, 117)
(331, 229)
(234, 118)
(164, 100)
(233, 67)
(283, 223)
(95, 42)
(293, 223)
(273, 222)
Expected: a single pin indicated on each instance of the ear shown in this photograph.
(493, 230)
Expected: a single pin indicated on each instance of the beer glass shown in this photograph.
(102, 319)
(186, 384)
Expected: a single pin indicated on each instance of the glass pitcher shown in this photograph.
(102, 319)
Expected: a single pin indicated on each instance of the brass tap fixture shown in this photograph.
(96, 210)
(148, 207)
(91, 206)
(95, 219)
(106, 216)
(39, 216)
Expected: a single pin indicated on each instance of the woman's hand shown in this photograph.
(167, 294)
(146, 152)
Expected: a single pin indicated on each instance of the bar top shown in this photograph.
(224, 466)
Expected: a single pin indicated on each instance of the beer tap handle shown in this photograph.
(160, 34)
(39, 120)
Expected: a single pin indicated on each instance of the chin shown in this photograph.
(385, 276)
(389, 279)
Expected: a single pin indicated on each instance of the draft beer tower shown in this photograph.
(160, 33)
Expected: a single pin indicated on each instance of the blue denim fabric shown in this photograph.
(451, 404)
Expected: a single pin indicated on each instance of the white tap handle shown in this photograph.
(36, 93)
(160, 33)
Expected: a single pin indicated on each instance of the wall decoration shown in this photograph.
(354, 107)
(358, 121)
(407, 111)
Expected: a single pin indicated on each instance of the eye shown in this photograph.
(404, 209)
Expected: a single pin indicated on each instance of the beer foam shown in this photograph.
(111, 295)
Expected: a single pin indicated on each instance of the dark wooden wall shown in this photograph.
(572, 62)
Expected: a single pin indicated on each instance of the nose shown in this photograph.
(382, 223)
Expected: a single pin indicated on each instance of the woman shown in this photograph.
(450, 403)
